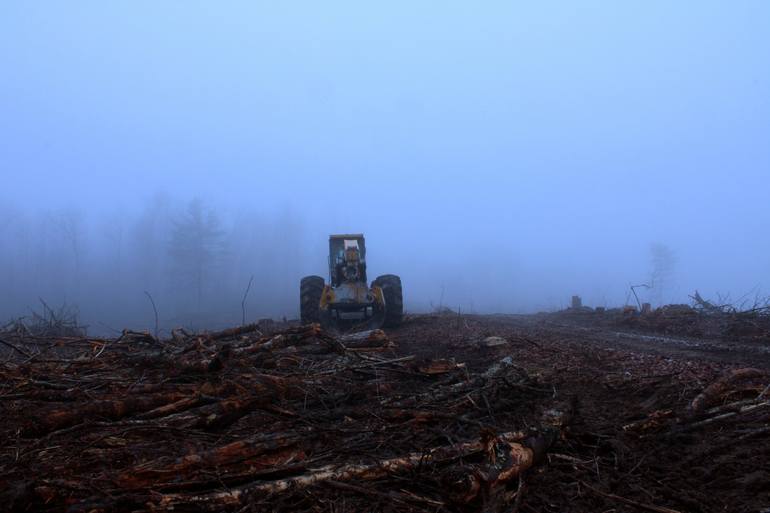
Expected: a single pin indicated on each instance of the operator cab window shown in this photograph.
(347, 244)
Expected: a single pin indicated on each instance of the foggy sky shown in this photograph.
(500, 157)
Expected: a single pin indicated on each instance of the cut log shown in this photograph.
(233, 332)
(439, 366)
(366, 339)
(166, 469)
(109, 409)
(507, 456)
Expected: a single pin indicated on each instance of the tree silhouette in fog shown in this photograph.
(663, 266)
(197, 247)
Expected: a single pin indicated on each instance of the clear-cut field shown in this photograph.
(559, 412)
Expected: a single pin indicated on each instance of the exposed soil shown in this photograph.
(619, 377)
(615, 418)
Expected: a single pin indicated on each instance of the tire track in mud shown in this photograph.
(673, 347)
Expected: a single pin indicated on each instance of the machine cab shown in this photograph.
(347, 259)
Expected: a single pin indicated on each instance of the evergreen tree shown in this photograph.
(197, 247)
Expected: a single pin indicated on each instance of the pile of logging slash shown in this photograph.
(238, 420)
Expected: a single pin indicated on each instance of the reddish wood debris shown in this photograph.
(548, 416)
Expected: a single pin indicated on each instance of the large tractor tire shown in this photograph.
(394, 301)
(310, 290)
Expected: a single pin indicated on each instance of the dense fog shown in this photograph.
(498, 158)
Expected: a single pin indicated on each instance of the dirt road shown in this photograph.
(708, 349)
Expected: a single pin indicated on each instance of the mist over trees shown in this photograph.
(195, 257)
(193, 260)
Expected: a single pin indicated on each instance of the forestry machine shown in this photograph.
(347, 298)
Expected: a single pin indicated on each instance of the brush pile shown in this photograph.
(237, 420)
(700, 320)
(62, 322)
(752, 326)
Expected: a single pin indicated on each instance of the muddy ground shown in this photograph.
(616, 418)
(620, 376)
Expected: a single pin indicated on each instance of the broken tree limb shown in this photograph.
(267, 447)
(15, 348)
(741, 410)
(712, 393)
(178, 406)
(366, 339)
(233, 332)
(52, 420)
(375, 363)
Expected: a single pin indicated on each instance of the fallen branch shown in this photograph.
(19, 350)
